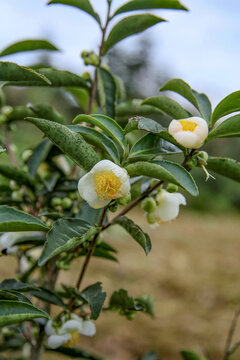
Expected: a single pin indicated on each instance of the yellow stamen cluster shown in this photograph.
(107, 184)
(188, 125)
(74, 340)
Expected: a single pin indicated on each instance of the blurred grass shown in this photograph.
(193, 274)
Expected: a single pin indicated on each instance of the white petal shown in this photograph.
(188, 139)
(70, 325)
(104, 165)
(49, 329)
(86, 188)
(181, 198)
(54, 341)
(168, 207)
(8, 239)
(89, 328)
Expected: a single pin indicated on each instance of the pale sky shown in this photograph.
(201, 46)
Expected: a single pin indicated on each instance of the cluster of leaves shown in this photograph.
(41, 194)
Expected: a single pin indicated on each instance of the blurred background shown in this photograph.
(193, 272)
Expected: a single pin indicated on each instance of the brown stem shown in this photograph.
(9, 148)
(228, 350)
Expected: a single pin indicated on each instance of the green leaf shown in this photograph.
(89, 215)
(228, 128)
(12, 312)
(121, 300)
(12, 219)
(152, 145)
(19, 113)
(20, 176)
(83, 5)
(166, 171)
(228, 105)
(40, 153)
(189, 355)
(107, 92)
(149, 4)
(94, 137)
(136, 232)
(129, 26)
(223, 166)
(105, 123)
(142, 123)
(48, 296)
(65, 235)
(14, 74)
(135, 108)
(7, 295)
(12, 284)
(71, 143)
(200, 101)
(146, 302)
(75, 353)
(168, 106)
(27, 45)
(45, 111)
(81, 96)
(95, 298)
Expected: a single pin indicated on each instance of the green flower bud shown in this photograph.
(73, 196)
(84, 54)
(3, 118)
(202, 158)
(26, 155)
(6, 110)
(66, 203)
(172, 188)
(17, 195)
(151, 218)
(192, 163)
(148, 204)
(13, 185)
(124, 200)
(113, 206)
(86, 76)
(56, 201)
(49, 223)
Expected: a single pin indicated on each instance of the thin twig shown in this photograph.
(228, 350)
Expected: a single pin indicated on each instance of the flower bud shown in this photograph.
(192, 163)
(66, 203)
(202, 158)
(124, 200)
(151, 219)
(113, 207)
(56, 201)
(6, 110)
(3, 118)
(13, 185)
(148, 205)
(172, 188)
(86, 76)
(26, 155)
(17, 195)
(84, 54)
(73, 195)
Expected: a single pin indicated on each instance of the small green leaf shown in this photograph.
(94, 137)
(147, 303)
(142, 123)
(45, 111)
(200, 101)
(71, 143)
(12, 312)
(65, 235)
(149, 4)
(40, 153)
(95, 298)
(12, 284)
(223, 166)
(27, 45)
(14, 74)
(152, 145)
(107, 92)
(168, 106)
(83, 5)
(121, 300)
(136, 232)
(129, 26)
(166, 171)
(228, 105)
(228, 128)
(20, 176)
(12, 219)
(105, 123)
(48, 296)
(189, 355)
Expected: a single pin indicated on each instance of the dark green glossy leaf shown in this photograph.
(71, 143)
(105, 123)
(89, 215)
(12, 312)
(200, 101)
(136, 232)
(121, 300)
(129, 26)
(107, 92)
(27, 45)
(7, 295)
(168, 106)
(48, 296)
(95, 298)
(81, 96)
(223, 166)
(45, 111)
(142, 123)
(13, 284)
(13, 73)
(20, 176)
(83, 5)
(65, 235)
(12, 219)
(39, 155)
(166, 171)
(228, 128)
(150, 4)
(97, 138)
(228, 105)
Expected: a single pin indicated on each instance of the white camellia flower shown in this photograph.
(105, 182)
(190, 132)
(7, 241)
(167, 206)
(69, 333)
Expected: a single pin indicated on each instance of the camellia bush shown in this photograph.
(82, 179)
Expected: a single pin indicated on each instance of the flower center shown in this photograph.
(107, 185)
(188, 125)
(74, 340)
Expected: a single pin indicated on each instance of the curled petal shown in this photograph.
(54, 341)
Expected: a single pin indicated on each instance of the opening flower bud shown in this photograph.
(124, 200)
